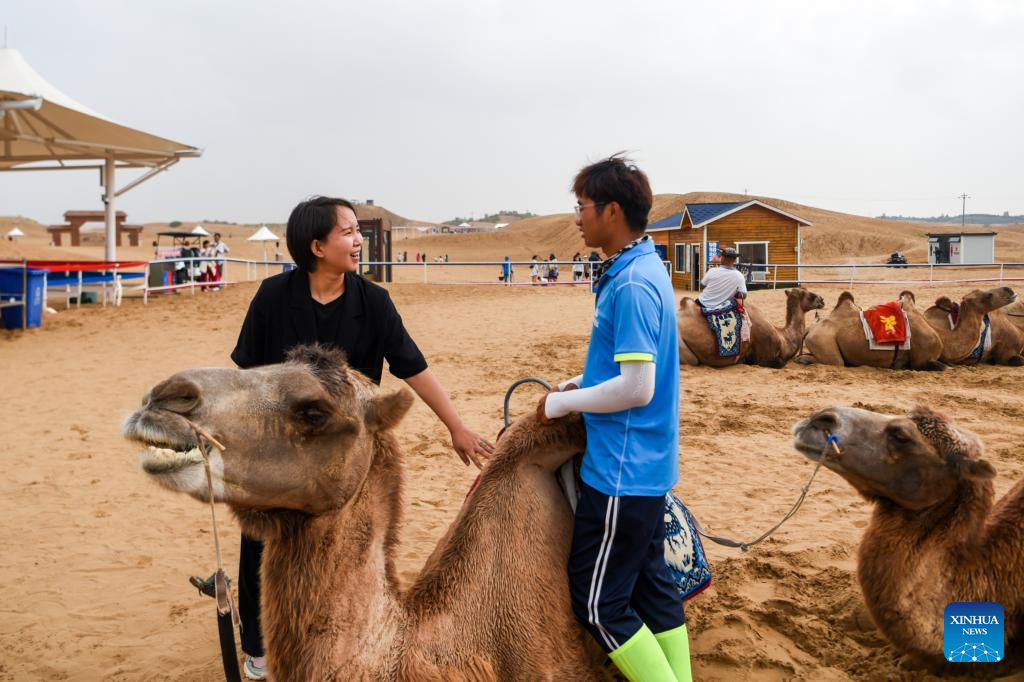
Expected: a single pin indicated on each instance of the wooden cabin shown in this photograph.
(764, 235)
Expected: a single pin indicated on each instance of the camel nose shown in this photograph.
(177, 394)
(826, 420)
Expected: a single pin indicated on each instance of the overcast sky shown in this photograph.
(458, 107)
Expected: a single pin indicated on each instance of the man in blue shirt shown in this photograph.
(629, 397)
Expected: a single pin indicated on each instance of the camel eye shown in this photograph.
(899, 436)
(312, 414)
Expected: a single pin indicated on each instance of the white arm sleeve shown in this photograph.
(577, 380)
(634, 387)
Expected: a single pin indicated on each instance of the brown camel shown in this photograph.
(960, 342)
(311, 467)
(697, 343)
(772, 346)
(935, 535)
(839, 340)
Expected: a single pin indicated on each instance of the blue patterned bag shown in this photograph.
(684, 553)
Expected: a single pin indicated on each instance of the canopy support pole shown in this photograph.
(110, 247)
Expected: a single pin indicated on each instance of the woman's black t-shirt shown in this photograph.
(363, 322)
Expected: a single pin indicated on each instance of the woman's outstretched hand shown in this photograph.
(471, 447)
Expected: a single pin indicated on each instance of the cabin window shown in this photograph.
(682, 258)
(753, 260)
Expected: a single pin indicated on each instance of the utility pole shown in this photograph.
(963, 209)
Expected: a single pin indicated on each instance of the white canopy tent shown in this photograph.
(200, 230)
(14, 233)
(41, 128)
(263, 235)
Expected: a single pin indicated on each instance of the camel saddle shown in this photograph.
(886, 326)
(729, 324)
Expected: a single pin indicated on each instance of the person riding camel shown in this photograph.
(724, 283)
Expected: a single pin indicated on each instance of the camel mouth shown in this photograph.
(808, 441)
(158, 461)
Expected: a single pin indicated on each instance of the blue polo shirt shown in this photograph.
(636, 451)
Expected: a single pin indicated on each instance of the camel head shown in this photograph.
(915, 461)
(808, 300)
(297, 436)
(988, 300)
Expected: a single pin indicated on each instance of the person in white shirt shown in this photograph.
(219, 249)
(723, 283)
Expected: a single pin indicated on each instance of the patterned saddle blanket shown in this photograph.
(727, 322)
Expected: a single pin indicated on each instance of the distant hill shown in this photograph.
(970, 219)
(500, 217)
(832, 238)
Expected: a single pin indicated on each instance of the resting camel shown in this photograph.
(311, 466)
(960, 343)
(772, 346)
(769, 346)
(839, 340)
(935, 535)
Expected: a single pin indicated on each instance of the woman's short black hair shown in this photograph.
(312, 220)
(617, 179)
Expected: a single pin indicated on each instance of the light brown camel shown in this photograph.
(935, 535)
(311, 467)
(839, 340)
(960, 343)
(772, 346)
(697, 343)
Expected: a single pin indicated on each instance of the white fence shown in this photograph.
(489, 273)
(852, 274)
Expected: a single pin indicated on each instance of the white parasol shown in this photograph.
(264, 235)
(42, 128)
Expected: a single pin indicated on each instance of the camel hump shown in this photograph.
(844, 297)
(945, 303)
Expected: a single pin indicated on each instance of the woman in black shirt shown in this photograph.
(325, 300)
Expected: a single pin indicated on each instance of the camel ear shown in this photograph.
(975, 469)
(384, 411)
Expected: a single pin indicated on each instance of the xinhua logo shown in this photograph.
(974, 632)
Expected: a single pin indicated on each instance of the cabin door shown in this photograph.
(695, 266)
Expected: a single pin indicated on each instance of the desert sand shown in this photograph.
(96, 558)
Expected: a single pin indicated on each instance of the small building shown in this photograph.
(962, 248)
(763, 234)
(376, 248)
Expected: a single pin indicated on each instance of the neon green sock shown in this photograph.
(675, 644)
(640, 659)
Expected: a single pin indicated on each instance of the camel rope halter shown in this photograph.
(227, 612)
(831, 447)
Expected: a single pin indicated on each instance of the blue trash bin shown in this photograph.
(10, 287)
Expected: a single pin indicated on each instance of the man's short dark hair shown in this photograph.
(312, 220)
(617, 179)
(216, 234)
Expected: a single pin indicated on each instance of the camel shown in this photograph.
(935, 535)
(960, 343)
(768, 346)
(311, 466)
(839, 340)
(772, 346)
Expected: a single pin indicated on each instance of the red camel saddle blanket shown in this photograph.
(886, 326)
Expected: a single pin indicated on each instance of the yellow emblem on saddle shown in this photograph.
(889, 321)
